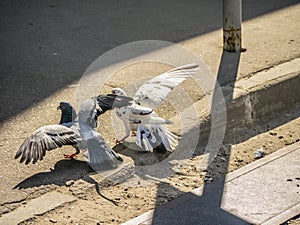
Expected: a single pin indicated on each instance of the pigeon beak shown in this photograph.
(58, 107)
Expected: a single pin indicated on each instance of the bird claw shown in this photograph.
(70, 156)
(118, 141)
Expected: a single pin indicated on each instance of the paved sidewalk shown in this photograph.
(51, 45)
(264, 192)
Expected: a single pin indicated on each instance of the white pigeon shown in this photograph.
(46, 138)
(140, 118)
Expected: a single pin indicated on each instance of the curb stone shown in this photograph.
(36, 207)
(243, 176)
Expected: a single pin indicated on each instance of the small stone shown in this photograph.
(117, 198)
(223, 159)
(280, 137)
(70, 183)
(5, 210)
(52, 220)
(208, 179)
(186, 185)
(273, 133)
(259, 153)
(289, 179)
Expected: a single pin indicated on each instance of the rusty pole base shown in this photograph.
(232, 24)
(232, 40)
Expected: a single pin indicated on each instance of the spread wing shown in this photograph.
(154, 92)
(44, 139)
(111, 101)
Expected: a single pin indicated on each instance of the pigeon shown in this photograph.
(67, 132)
(100, 155)
(140, 118)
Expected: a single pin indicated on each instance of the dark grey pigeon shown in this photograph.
(67, 133)
(50, 137)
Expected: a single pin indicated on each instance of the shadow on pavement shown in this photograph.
(64, 170)
(206, 208)
(53, 42)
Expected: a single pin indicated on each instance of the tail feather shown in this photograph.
(100, 155)
(156, 120)
(169, 140)
(156, 137)
(142, 139)
(173, 139)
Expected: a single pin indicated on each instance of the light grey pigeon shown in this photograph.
(68, 133)
(140, 117)
(100, 155)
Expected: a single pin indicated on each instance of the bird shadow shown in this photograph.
(63, 171)
(139, 157)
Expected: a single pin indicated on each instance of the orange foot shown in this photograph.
(118, 141)
(70, 156)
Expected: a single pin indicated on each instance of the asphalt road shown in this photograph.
(46, 45)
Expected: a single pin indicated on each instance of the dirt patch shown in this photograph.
(114, 204)
(132, 198)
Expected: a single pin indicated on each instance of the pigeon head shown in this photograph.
(119, 91)
(68, 113)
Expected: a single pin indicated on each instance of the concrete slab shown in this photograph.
(264, 192)
(36, 207)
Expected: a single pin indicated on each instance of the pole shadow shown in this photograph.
(206, 208)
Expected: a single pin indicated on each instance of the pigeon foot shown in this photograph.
(120, 141)
(70, 156)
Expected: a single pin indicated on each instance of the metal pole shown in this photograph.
(232, 20)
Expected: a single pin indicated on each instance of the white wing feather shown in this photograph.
(154, 92)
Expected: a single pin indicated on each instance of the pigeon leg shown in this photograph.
(72, 156)
(121, 140)
(127, 128)
(133, 133)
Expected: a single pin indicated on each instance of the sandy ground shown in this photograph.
(53, 61)
(128, 200)
(114, 204)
